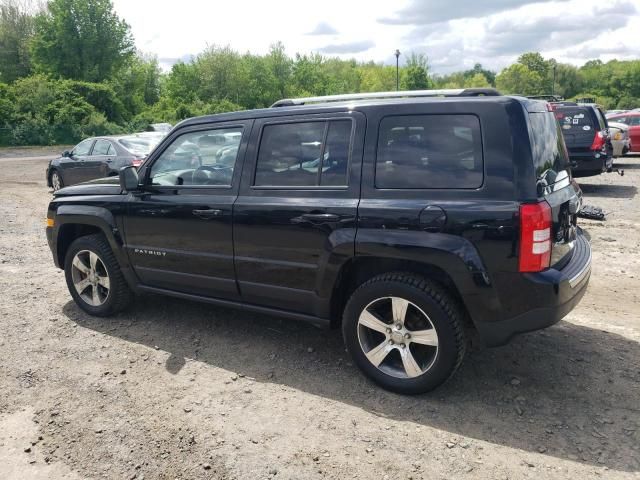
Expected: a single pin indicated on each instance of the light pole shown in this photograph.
(397, 54)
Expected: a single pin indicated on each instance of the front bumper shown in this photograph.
(556, 293)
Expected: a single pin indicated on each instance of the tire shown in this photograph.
(436, 343)
(92, 294)
(56, 181)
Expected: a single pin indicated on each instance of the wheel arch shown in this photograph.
(358, 270)
(75, 221)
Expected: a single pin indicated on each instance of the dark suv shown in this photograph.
(586, 135)
(406, 221)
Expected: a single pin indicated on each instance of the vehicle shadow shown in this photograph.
(570, 392)
(608, 191)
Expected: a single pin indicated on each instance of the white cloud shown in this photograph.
(493, 33)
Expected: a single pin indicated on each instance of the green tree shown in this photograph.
(477, 81)
(81, 39)
(518, 79)
(16, 29)
(416, 73)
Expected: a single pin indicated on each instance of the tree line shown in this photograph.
(69, 69)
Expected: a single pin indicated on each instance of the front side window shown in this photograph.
(634, 121)
(200, 158)
(429, 151)
(83, 148)
(304, 154)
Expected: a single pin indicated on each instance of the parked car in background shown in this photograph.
(405, 218)
(632, 119)
(619, 133)
(611, 113)
(99, 157)
(161, 127)
(586, 135)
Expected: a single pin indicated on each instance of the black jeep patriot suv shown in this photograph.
(405, 218)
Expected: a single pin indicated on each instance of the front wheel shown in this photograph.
(404, 332)
(56, 181)
(94, 278)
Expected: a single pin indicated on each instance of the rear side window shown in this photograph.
(547, 146)
(304, 154)
(576, 119)
(429, 151)
(102, 147)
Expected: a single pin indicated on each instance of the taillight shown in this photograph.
(535, 237)
(136, 162)
(598, 142)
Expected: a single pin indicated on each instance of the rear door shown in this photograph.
(98, 164)
(295, 217)
(555, 185)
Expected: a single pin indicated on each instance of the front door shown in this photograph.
(295, 217)
(74, 167)
(178, 232)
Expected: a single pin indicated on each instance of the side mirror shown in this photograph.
(129, 179)
(67, 154)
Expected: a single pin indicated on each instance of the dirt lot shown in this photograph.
(172, 389)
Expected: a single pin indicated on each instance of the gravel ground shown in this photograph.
(173, 389)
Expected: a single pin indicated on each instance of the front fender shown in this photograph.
(68, 218)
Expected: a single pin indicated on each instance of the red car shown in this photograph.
(633, 120)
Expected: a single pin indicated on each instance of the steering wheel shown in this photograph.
(212, 175)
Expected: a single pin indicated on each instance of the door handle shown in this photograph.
(109, 160)
(320, 217)
(207, 213)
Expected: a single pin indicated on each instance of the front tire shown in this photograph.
(56, 181)
(404, 332)
(94, 278)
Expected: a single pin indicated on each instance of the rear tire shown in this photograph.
(404, 332)
(94, 278)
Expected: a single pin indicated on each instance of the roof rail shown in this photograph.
(458, 92)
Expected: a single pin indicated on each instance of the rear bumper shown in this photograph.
(587, 162)
(556, 293)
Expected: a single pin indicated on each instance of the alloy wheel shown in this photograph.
(56, 182)
(397, 337)
(90, 278)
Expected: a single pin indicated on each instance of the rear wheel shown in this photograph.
(56, 181)
(404, 332)
(94, 278)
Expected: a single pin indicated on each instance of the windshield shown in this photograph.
(139, 145)
(550, 155)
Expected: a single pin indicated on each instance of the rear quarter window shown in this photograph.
(429, 151)
(547, 147)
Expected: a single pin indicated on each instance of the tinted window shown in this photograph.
(634, 121)
(576, 119)
(429, 151)
(194, 158)
(304, 154)
(83, 147)
(619, 119)
(547, 147)
(101, 147)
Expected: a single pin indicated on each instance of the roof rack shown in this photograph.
(459, 92)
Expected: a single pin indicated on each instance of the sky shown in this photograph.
(454, 34)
